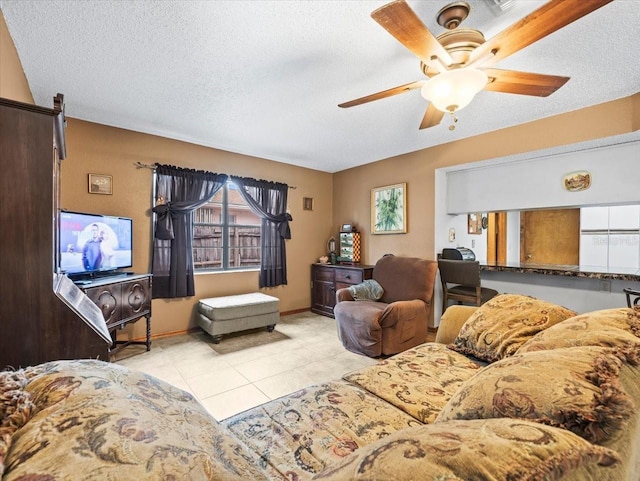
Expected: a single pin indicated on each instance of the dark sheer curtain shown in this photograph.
(178, 192)
(269, 201)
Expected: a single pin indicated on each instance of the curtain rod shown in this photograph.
(140, 165)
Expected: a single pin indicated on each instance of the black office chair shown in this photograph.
(632, 293)
(465, 277)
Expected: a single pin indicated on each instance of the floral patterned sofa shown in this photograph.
(518, 389)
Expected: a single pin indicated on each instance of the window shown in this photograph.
(226, 233)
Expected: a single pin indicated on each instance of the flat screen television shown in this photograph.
(92, 245)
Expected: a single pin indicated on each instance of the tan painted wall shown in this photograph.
(352, 187)
(339, 198)
(13, 83)
(636, 112)
(95, 148)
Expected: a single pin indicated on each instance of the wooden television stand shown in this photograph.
(123, 299)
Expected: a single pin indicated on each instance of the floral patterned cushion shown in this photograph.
(300, 434)
(98, 421)
(419, 381)
(618, 328)
(15, 408)
(500, 326)
(493, 449)
(575, 388)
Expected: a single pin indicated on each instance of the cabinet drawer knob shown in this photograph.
(348, 276)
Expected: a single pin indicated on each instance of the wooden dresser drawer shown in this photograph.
(349, 276)
(323, 273)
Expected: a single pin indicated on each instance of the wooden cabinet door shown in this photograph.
(136, 298)
(324, 298)
(323, 294)
(109, 299)
(550, 236)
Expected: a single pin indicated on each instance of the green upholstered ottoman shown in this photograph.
(223, 315)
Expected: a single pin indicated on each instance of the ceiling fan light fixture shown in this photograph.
(454, 89)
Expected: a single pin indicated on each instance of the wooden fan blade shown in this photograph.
(549, 18)
(382, 95)
(432, 117)
(523, 83)
(399, 20)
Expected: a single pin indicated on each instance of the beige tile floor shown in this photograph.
(250, 368)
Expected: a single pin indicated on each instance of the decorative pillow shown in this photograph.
(420, 381)
(500, 326)
(618, 328)
(463, 450)
(575, 388)
(368, 290)
(15, 409)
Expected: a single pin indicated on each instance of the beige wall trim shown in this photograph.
(196, 329)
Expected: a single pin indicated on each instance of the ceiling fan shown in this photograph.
(458, 62)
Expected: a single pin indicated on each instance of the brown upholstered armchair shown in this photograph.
(399, 319)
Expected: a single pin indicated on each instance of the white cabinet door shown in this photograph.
(594, 218)
(624, 217)
(624, 251)
(594, 250)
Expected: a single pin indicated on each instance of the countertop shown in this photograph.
(589, 272)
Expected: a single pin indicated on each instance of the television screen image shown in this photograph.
(91, 243)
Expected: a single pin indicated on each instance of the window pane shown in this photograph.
(207, 247)
(239, 211)
(239, 237)
(209, 213)
(244, 246)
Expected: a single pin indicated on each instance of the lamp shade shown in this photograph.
(454, 89)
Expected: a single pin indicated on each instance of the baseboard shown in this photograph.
(196, 328)
(295, 311)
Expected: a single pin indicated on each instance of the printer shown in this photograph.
(458, 254)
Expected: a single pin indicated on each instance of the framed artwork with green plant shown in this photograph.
(389, 209)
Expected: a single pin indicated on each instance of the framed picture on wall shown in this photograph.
(389, 209)
(307, 203)
(474, 223)
(100, 184)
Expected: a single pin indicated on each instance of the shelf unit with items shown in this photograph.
(349, 248)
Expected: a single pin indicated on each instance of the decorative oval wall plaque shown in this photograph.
(577, 181)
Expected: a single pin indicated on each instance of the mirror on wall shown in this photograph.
(601, 238)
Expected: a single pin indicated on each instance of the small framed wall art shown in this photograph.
(307, 203)
(389, 209)
(100, 184)
(474, 223)
(577, 181)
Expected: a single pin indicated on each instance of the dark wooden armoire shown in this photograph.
(35, 324)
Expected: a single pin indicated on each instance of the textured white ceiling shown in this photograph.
(264, 77)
